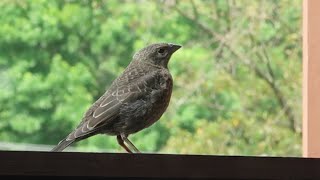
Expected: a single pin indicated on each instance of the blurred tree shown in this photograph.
(237, 79)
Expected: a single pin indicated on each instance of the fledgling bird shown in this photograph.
(134, 101)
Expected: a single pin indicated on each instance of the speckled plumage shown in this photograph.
(134, 101)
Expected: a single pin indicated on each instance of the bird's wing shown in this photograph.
(107, 107)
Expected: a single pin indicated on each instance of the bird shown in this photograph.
(135, 100)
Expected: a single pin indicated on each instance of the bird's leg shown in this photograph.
(124, 137)
(121, 143)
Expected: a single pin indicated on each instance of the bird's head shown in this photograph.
(157, 54)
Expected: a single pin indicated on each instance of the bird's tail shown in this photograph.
(62, 145)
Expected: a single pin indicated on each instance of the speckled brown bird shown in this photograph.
(134, 101)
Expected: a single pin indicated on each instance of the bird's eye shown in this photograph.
(161, 50)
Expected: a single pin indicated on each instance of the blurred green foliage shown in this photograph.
(237, 79)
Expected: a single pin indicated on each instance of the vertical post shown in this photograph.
(311, 78)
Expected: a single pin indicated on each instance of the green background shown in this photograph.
(237, 79)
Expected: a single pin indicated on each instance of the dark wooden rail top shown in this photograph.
(155, 166)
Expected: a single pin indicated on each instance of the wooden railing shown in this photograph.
(167, 166)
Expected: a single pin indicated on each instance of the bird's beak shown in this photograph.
(174, 47)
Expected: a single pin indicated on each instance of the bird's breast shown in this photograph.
(161, 98)
(149, 105)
